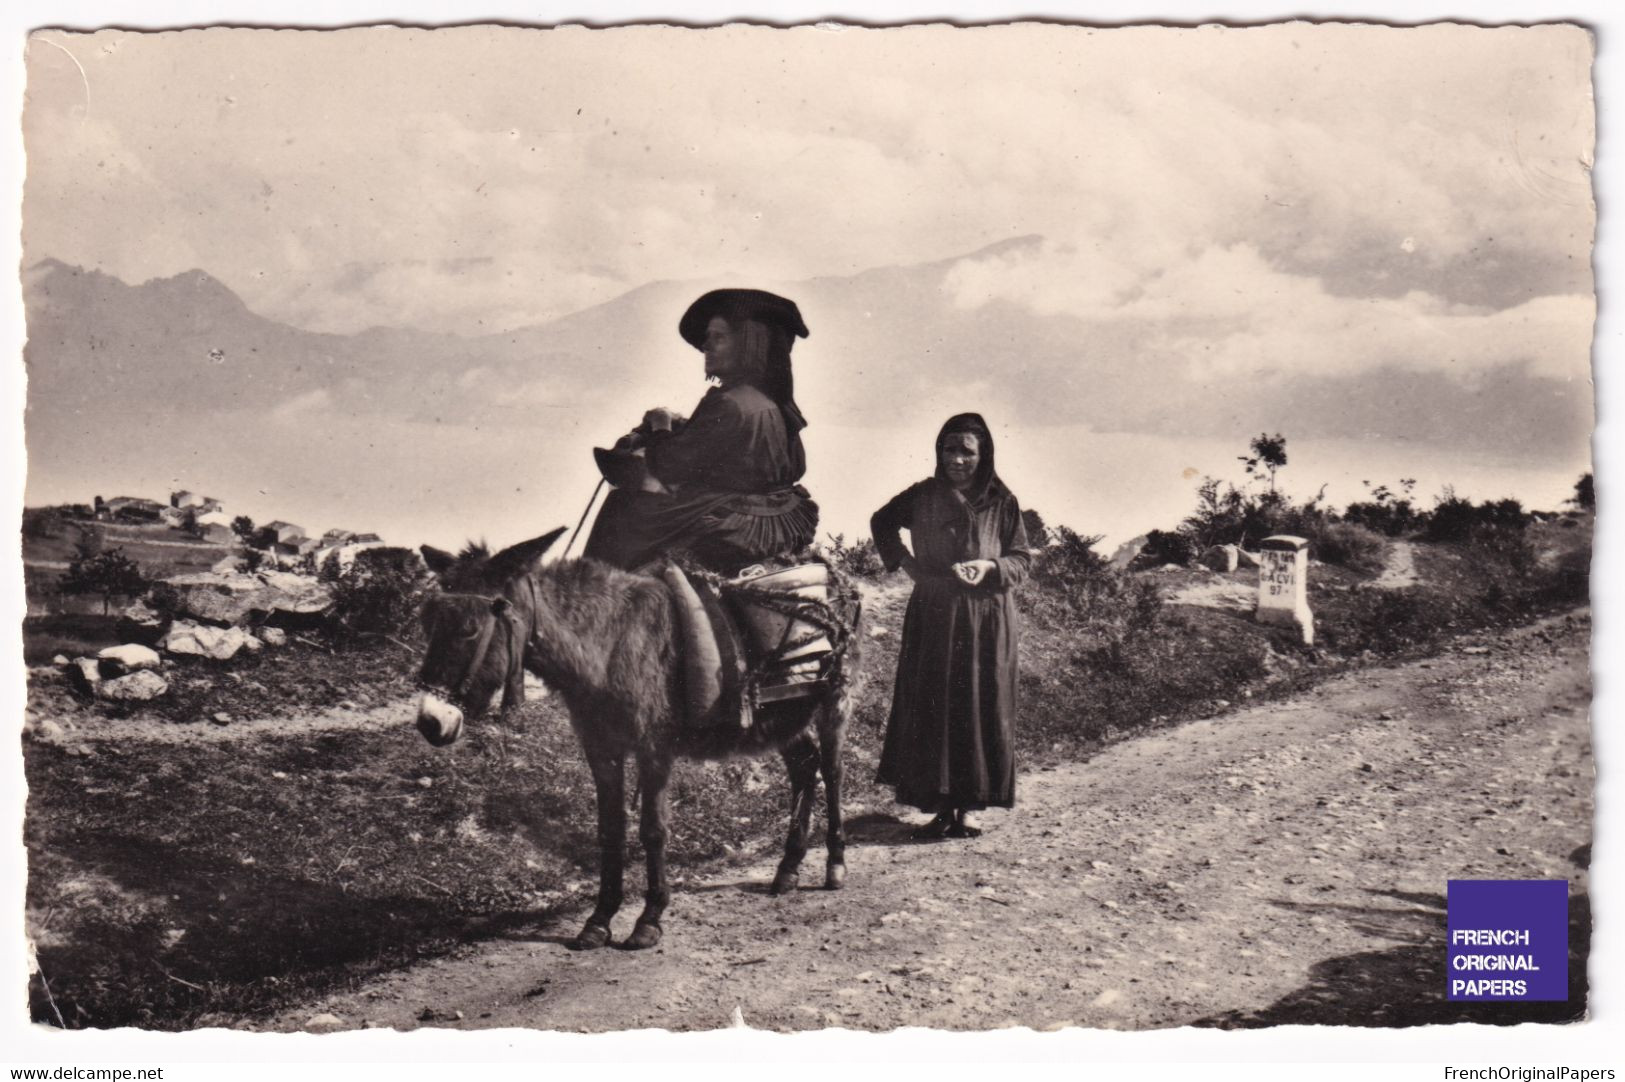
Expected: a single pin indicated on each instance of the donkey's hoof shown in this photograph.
(643, 937)
(592, 937)
(784, 882)
(834, 876)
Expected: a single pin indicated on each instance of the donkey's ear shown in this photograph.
(524, 557)
(439, 560)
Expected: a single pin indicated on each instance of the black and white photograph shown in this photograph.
(810, 526)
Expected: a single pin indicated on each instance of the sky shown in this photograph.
(1286, 186)
(1315, 213)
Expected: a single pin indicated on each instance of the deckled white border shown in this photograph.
(1073, 1054)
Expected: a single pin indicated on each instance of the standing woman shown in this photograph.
(949, 742)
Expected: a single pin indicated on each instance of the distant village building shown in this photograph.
(344, 551)
(215, 527)
(135, 509)
(283, 533)
(184, 499)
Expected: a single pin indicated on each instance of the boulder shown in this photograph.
(1221, 558)
(142, 623)
(131, 657)
(1247, 559)
(234, 599)
(137, 687)
(202, 640)
(273, 636)
(85, 674)
(229, 566)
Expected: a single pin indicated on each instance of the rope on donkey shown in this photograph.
(832, 620)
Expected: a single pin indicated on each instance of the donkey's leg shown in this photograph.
(801, 761)
(652, 776)
(831, 742)
(609, 778)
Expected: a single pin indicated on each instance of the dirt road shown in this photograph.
(1283, 863)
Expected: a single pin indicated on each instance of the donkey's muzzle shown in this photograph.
(439, 721)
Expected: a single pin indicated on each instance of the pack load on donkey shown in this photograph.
(764, 636)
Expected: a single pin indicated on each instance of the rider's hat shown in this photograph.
(734, 304)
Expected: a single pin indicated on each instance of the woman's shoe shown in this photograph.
(939, 827)
(963, 828)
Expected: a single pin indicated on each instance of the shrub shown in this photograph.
(1394, 518)
(1102, 611)
(380, 593)
(1455, 519)
(1506, 550)
(1349, 545)
(44, 522)
(1163, 547)
(1585, 493)
(1072, 553)
(1038, 534)
(860, 559)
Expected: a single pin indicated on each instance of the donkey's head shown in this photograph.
(476, 628)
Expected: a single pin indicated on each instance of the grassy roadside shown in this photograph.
(180, 885)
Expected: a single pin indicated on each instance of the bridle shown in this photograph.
(518, 634)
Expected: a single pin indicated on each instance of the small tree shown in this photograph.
(1585, 496)
(111, 574)
(1268, 456)
(243, 527)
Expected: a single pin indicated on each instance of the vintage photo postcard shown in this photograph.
(833, 527)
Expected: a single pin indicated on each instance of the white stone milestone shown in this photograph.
(1283, 585)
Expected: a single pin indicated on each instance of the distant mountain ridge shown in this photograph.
(174, 346)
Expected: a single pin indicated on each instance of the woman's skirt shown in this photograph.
(722, 531)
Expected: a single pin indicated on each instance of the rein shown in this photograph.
(514, 679)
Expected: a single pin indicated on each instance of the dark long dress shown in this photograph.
(732, 469)
(949, 739)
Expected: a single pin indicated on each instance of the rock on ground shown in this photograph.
(142, 623)
(137, 687)
(128, 658)
(232, 599)
(201, 640)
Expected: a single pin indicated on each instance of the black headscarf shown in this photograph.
(985, 484)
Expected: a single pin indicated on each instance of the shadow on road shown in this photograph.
(1405, 985)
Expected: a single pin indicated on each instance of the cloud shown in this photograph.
(580, 164)
(1227, 312)
(302, 405)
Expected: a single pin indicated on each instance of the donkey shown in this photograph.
(608, 642)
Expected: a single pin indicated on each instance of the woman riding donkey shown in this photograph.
(721, 486)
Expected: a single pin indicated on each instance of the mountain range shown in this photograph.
(179, 374)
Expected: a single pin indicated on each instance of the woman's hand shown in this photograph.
(972, 572)
(659, 419)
